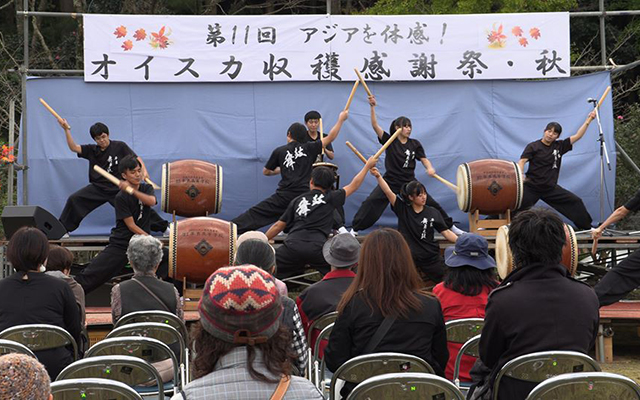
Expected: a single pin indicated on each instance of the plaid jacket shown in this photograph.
(231, 381)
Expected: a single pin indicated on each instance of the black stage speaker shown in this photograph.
(15, 217)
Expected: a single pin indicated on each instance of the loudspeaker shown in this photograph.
(15, 217)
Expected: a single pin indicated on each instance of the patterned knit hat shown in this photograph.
(23, 377)
(241, 305)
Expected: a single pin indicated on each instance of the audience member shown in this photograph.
(465, 289)
(259, 253)
(386, 295)
(242, 351)
(31, 297)
(23, 378)
(537, 307)
(341, 252)
(282, 287)
(59, 265)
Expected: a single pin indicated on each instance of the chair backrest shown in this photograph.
(586, 386)
(162, 317)
(132, 371)
(160, 331)
(407, 385)
(366, 366)
(461, 330)
(9, 346)
(323, 335)
(149, 349)
(320, 323)
(92, 388)
(537, 367)
(40, 337)
(469, 348)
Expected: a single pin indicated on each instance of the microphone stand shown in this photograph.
(604, 156)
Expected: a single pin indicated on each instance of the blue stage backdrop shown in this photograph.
(237, 125)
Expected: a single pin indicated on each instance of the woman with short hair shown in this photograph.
(387, 288)
(31, 297)
(59, 266)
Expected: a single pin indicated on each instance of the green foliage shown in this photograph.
(390, 7)
(627, 180)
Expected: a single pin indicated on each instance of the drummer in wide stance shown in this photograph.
(544, 157)
(293, 162)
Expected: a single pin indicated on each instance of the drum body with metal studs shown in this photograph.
(490, 186)
(504, 260)
(191, 188)
(199, 246)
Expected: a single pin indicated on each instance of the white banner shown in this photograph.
(143, 48)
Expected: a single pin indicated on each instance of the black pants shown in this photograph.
(296, 253)
(373, 207)
(90, 197)
(266, 212)
(620, 280)
(565, 202)
(108, 264)
(432, 270)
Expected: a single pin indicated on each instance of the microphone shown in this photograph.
(591, 100)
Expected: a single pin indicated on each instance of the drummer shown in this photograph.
(312, 121)
(293, 162)
(545, 157)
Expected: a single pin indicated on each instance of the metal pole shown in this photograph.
(328, 7)
(627, 159)
(23, 134)
(12, 136)
(603, 41)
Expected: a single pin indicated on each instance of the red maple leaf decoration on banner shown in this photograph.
(159, 39)
(535, 33)
(127, 45)
(523, 42)
(140, 34)
(517, 31)
(120, 31)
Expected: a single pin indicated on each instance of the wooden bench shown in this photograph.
(621, 312)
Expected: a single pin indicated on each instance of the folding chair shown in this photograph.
(149, 349)
(537, 367)
(92, 388)
(318, 362)
(39, 337)
(160, 331)
(162, 317)
(408, 385)
(586, 386)
(9, 346)
(461, 330)
(360, 368)
(318, 325)
(132, 371)
(470, 348)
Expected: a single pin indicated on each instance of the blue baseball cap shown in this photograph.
(470, 249)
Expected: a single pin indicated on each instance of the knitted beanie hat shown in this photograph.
(240, 305)
(23, 377)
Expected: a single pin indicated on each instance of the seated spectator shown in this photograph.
(537, 307)
(260, 253)
(31, 297)
(59, 265)
(465, 289)
(282, 287)
(341, 252)
(23, 378)
(387, 294)
(242, 350)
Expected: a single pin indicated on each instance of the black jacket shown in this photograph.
(422, 334)
(536, 308)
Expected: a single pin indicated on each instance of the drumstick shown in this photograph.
(150, 182)
(364, 84)
(594, 248)
(604, 95)
(52, 111)
(111, 178)
(353, 91)
(388, 143)
(321, 133)
(446, 182)
(357, 153)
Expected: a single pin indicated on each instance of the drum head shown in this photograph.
(165, 187)
(325, 164)
(519, 186)
(570, 250)
(464, 187)
(504, 262)
(173, 243)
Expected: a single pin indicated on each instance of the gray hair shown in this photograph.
(144, 253)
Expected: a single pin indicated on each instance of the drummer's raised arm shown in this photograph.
(333, 133)
(374, 121)
(73, 146)
(583, 128)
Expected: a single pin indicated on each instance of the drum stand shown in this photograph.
(487, 227)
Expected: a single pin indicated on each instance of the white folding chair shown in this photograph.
(586, 386)
(39, 337)
(92, 389)
(408, 385)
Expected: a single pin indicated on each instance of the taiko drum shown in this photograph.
(199, 246)
(191, 188)
(489, 186)
(504, 261)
